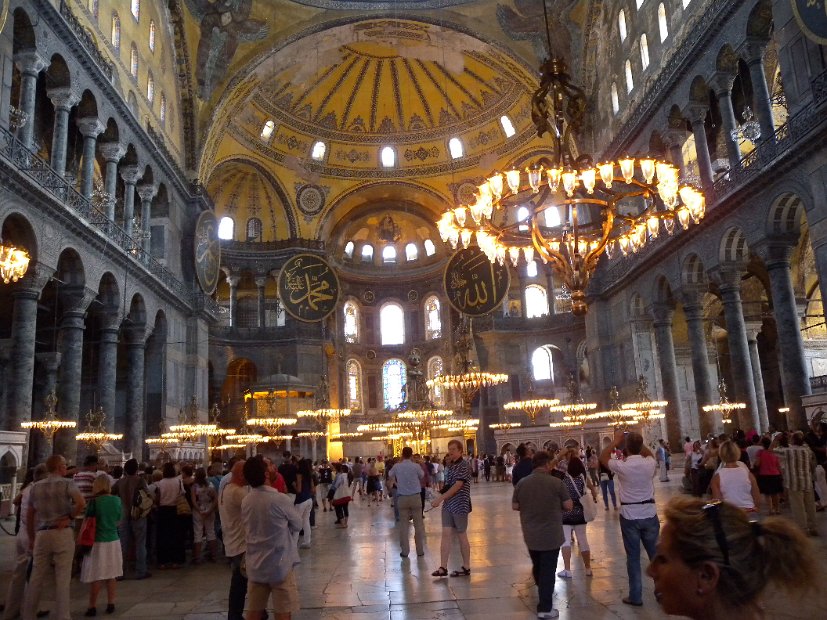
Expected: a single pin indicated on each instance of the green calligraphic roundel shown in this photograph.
(811, 16)
(207, 253)
(308, 287)
(474, 285)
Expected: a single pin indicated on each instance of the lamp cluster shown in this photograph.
(13, 263)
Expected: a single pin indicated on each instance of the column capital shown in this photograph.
(111, 151)
(752, 49)
(135, 332)
(753, 329)
(721, 83)
(695, 112)
(110, 319)
(233, 280)
(30, 62)
(90, 126)
(776, 251)
(728, 278)
(76, 299)
(261, 281)
(674, 137)
(662, 314)
(33, 282)
(63, 98)
(147, 191)
(130, 173)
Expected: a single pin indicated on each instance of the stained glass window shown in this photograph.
(663, 23)
(351, 322)
(136, 9)
(433, 321)
(411, 252)
(536, 301)
(541, 363)
(151, 36)
(644, 51)
(435, 369)
(163, 112)
(150, 88)
(354, 385)
(392, 324)
(394, 378)
(116, 31)
(133, 61)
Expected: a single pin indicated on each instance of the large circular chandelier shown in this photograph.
(724, 406)
(566, 208)
(532, 406)
(49, 424)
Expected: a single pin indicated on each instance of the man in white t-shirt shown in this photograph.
(638, 515)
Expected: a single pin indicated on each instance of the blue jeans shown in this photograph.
(132, 533)
(608, 486)
(543, 567)
(636, 531)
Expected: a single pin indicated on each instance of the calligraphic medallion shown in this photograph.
(474, 285)
(207, 252)
(308, 287)
(811, 16)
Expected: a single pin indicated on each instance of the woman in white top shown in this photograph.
(733, 482)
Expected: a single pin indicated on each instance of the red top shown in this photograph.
(768, 463)
(280, 485)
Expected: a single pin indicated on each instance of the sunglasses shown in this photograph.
(712, 510)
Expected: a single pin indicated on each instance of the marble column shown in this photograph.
(722, 82)
(696, 325)
(233, 281)
(63, 99)
(112, 153)
(5, 358)
(47, 383)
(261, 283)
(662, 324)
(134, 428)
(108, 364)
(753, 53)
(74, 300)
(697, 115)
(146, 192)
(90, 128)
(743, 389)
(674, 139)
(129, 174)
(795, 376)
(753, 328)
(30, 64)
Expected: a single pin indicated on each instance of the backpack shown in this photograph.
(141, 504)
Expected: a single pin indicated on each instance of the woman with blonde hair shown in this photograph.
(104, 563)
(733, 482)
(713, 563)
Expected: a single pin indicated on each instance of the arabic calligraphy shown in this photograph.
(308, 287)
(473, 284)
(207, 252)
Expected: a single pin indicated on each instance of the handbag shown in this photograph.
(182, 506)
(341, 495)
(88, 529)
(588, 503)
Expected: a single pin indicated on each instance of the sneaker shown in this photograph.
(548, 614)
(565, 574)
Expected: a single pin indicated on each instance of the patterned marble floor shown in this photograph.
(357, 574)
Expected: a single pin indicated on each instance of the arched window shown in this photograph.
(267, 130)
(644, 51)
(630, 82)
(455, 148)
(686, 3)
(411, 253)
(151, 35)
(226, 228)
(94, 7)
(132, 102)
(392, 324)
(349, 249)
(615, 101)
(116, 31)
(150, 88)
(318, 151)
(351, 322)
(552, 217)
(136, 9)
(281, 314)
(542, 364)
(536, 301)
(639, 4)
(254, 229)
(430, 250)
(133, 61)
(435, 369)
(367, 253)
(394, 378)
(433, 319)
(388, 254)
(531, 269)
(507, 125)
(522, 217)
(354, 385)
(663, 24)
(162, 115)
(621, 24)
(388, 157)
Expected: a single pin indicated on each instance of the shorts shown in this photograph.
(284, 596)
(456, 521)
(323, 487)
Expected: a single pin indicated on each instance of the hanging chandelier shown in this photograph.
(14, 262)
(532, 407)
(49, 425)
(576, 411)
(566, 208)
(95, 433)
(723, 406)
(648, 410)
(617, 415)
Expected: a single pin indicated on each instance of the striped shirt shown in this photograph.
(797, 465)
(460, 503)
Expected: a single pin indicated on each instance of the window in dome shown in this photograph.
(411, 253)
(349, 249)
(686, 3)
(151, 36)
(433, 320)
(162, 115)
(639, 4)
(136, 9)
(150, 88)
(630, 82)
(392, 324)
(267, 130)
(522, 216)
(254, 229)
(507, 125)
(663, 24)
(354, 385)
(542, 364)
(621, 24)
(615, 101)
(94, 7)
(318, 151)
(226, 228)
(133, 61)
(281, 314)
(367, 253)
(351, 322)
(435, 369)
(552, 217)
(388, 254)
(430, 250)
(116, 31)
(388, 157)
(536, 301)
(455, 148)
(531, 269)
(394, 378)
(644, 52)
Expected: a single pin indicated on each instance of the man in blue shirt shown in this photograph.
(408, 477)
(523, 467)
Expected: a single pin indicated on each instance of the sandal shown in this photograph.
(462, 572)
(440, 572)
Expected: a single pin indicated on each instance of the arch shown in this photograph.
(137, 310)
(111, 133)
(435, 368)
(699, 91)
(351, 321)
(536, 301)
(727, 60)
(70, 271)
(109, 293)
(662, 291)
(353, 372)
(115, 33)
(692, 271)
(551, 445)
(663, 23)
(226, 228)
(544, 359)
(411, 252)
(241, 374)
(392, 324)
(785, 214)
(733, 247)
(394, 379)
(254, 229)
(8, 467)
(134, 61)
(433, 318)
(18, 231)
(759, 22)
(87, 106)
(507, 447)
(58, 74)
(23, 36)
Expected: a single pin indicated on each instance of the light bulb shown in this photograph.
(528, 251)
(513, 178)
(476, 212)
(569, 179)
(460, 213)
(647, 168)
(465, 235)
(653, 226)
(607, 172)
(588, 178)
(534, 175)
(553, 175)
(609, 249)
(627, 168)
(683, 216)
(514, 255)
(495, 182)
(669, 225)
(666, 171)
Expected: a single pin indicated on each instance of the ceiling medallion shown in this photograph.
(368, 296)
(413, 296)
(310, 199)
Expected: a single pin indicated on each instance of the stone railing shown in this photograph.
(254, 248)
(818, 384)
(297, 330)
(87, 40)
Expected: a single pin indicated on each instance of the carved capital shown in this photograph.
(90, 126)
(752, 50)
(233, 280)
(696, 112)
(753, 329)
(130, 174)
(111, 151)
(36, 278)
(29, 62)
(147, 192)
(776, 251)
(63, 98)
(76, 299)
(261, 281)
(721, 82)
(728, 279)
(674, 137)
(662, 314)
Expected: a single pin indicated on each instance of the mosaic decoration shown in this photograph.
(421, 153)
(310, 199)
(308, 287)
(474, 285)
